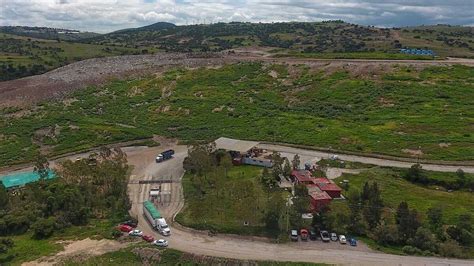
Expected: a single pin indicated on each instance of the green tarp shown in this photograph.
(155, 214)
(22, 178)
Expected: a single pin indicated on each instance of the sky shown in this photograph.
(109, 15)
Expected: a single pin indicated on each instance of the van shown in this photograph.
(163, 227)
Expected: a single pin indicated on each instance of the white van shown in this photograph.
(163, 227)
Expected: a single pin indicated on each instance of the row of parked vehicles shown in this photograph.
(305, 234)
(129, 227)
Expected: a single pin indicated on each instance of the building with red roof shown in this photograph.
(319, 200)
(332, 189)
(303, 177)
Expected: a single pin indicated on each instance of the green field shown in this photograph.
(395, 190)
(240, 198)
(394, 113)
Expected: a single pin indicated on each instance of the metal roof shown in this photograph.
(22, 178)
(235, 144)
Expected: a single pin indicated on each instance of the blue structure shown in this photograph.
(20, 179)
(416, 51)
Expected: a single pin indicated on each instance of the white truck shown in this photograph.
(154, 217)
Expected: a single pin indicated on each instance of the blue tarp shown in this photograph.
(22, 178)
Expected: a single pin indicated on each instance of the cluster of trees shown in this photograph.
(416, 174)
(84, 189)
(327, 36)
(10, 71)
(402, 227)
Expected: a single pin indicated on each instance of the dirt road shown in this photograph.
(240, 248)
(361, 159)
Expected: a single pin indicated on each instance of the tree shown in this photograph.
(407, 221)
(274, 212)
(320, 219)
(226, 162)
(277, 168)
(356, 223)
(435, 220)
(43, 228)
(3, 197)
(296, 162)
(372, 205)
(386, 234)
(460, 174)
(267, 179)
(301, 199)
(287, 169)
(424, 240)
(416, 174)
(42, 166)
(200, 159)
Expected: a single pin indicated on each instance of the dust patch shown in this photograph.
(444, 145)
(83, 248)
(412, 152)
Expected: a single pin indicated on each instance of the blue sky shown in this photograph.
(110, 15)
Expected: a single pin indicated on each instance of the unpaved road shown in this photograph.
(241, 248)
(362, 159)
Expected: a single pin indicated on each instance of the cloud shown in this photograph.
(109, 15)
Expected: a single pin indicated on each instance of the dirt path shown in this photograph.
(363, 159)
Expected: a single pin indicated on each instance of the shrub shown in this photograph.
(410, 250)
(43, 228)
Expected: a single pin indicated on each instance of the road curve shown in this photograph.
(235, 247)
(366, 160)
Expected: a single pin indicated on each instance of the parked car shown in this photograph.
(160, 243)
(135, 232)
(125, 228)
(333, 236)
(353, 242)
(342, 239)
(304, 234)
(294, 235)
(147, 238)
(325, 236)
(313, 235)
(131, 223)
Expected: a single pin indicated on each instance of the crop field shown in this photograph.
(401, 111)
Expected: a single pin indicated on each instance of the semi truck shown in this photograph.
(155, 219)
(165, 156)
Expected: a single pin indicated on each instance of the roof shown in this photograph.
(22, 178)
(320, 195)
(302, 175)
(322, 180)
(235, 144)
(329, 187)
(155, 214)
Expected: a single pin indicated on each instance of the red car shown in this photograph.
(125, 228)
(304, 234)
(148, 238)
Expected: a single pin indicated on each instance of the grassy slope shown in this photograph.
(395, 190)
(406, 109)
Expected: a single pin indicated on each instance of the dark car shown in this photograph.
(325, 236)
(131, 223)
(313, 235)
(353, 242)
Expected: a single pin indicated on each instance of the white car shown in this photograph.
(135, 232)
(160, 243)
(342, 239)
(333, 237)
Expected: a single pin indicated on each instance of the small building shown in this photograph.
(319, 200)
(331, 189)
(244, 152)
(303, 177)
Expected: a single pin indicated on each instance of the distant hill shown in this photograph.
(153, 27)
(301, 37)
(47, 33)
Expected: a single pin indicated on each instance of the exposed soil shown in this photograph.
(80, 249)
(59, 83)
